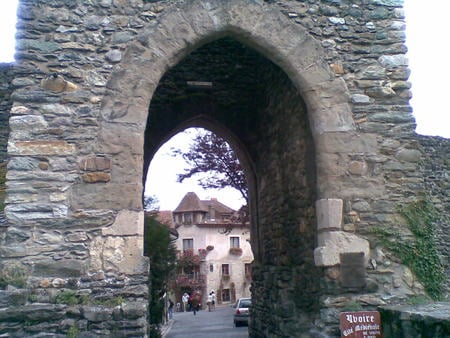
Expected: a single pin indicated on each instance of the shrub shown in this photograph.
(68, 297)
(419, 253)
(14, 275)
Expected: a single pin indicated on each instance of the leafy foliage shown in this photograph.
(151, 203)
(212, 155)
(188, 260)
(73, 332)
(420, 253)
(188, 278)
(68, 297)
(162, 254)
(14, 275)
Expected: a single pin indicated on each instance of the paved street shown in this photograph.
(214, 324)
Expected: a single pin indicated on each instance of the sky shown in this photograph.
(427, 33)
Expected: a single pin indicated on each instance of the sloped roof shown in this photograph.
(216, 205)
(190, 202)
(165, 217)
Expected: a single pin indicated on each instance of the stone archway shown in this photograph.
(79, 102)
(325, 98)
(179, 32)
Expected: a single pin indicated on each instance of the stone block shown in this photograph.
(347, 143)
(56, 83)
(41, 148)
(357, 167)
(352, 270)
(134, 310)
(329, 213)
(107, 196)
(95, 163)
(119, 137)
(59, 268)
(120, 254)
(128, 222)
(360, 98)
(96, 177)
(27, 123)
(337, 68)
(333, 243)
(97, 313)
(409, 155)
(36, 211)
(13, 297)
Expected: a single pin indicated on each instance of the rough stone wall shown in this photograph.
(430, 320)
(6, 88)
(436, 173)
(75, 169)
(284, 266)
(6, 77)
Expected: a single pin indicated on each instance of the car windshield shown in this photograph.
(245, 303)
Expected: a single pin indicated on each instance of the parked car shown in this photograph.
(242, 311)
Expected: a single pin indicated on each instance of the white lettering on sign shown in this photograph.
(367, 327)
(360, 319)
(347, 332)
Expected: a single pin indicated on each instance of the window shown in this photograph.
(226, 295)
(211, 268)
(225, 269)
(188, 218)
(188, 244)
(234, 242)
(248, 269)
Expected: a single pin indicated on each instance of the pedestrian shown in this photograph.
(209, 302)
(185, 300)
(170, 309)
(213, 300)
(194, 303)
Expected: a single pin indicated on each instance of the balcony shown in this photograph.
(235, 251)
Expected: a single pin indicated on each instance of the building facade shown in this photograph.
(211, 235)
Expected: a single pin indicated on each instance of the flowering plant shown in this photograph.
(202, 253)
(188, 259)
(236, 251)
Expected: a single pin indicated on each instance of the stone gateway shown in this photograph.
(312, 95)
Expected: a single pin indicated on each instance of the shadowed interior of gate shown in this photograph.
(241, 95)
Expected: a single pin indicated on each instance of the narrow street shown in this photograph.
(214, 324)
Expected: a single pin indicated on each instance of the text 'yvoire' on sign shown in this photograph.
(361, 324)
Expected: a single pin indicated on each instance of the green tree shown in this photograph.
(162, 254)
(212, 155)
(151, 203)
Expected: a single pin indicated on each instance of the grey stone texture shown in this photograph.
(427, 320)
(314, 98)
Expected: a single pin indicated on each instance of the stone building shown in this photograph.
(207, 228)
(312, 95)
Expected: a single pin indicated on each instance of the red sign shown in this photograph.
(361, 324)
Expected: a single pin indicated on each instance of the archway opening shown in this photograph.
(212, 242)
(242, 96)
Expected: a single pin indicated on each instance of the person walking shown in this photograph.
(209, 302)
(170, 309)
(213, 300)
(194, 304)
(185, 300)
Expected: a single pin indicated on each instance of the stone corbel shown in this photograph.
(332, 241)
